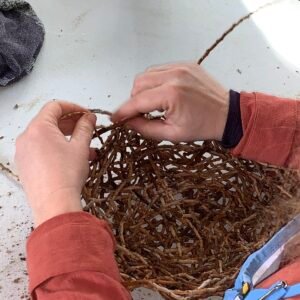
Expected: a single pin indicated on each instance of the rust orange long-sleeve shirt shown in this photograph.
(72, 256)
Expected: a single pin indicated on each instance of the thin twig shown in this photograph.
(231, 28)
(100, 111)
(9, 173)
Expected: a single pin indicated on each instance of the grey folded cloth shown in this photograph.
(21, 38)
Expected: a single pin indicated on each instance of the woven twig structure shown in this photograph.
(185, 216)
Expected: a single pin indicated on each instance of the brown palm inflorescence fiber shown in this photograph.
(186, 215)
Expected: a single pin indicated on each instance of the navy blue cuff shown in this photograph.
(233, 132)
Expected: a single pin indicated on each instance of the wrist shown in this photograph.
(222, 116)
(58, 203)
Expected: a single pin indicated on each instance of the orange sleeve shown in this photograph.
(72, 257)
(271, 130)
(271, 134)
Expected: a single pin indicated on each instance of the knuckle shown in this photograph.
(52, 104)
(85, 126)
(182, 71)
(172, 136)
(137, 100)
(152, 68)
(134, 91)
(32, 132)
(174, 92)
(139, 85)
(138, 82)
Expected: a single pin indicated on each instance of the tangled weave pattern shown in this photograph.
(185, 216)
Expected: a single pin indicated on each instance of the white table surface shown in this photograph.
(94, 48)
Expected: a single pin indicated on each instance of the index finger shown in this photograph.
(55, 110)
(143, 103)
(169, 66)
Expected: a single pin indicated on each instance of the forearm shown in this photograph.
(71, 256)
(270, 130)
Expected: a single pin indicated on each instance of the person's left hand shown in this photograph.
(52, 168)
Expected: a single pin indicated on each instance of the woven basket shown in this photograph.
(186, 215)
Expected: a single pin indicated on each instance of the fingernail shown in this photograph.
(113, 118)
(91, 117)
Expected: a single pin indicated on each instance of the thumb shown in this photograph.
(84, 128)
(154, 129)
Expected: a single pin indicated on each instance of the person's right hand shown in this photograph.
(195, 105)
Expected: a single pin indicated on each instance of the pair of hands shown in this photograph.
(53, 169)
